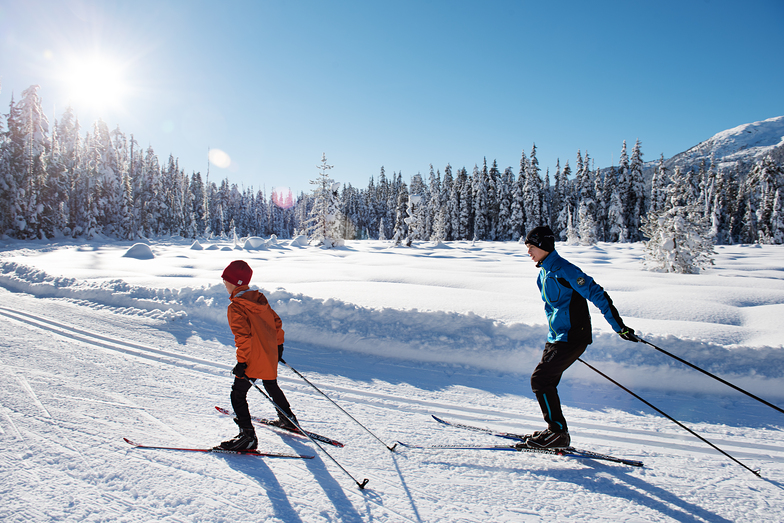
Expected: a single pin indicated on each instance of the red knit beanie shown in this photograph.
(237, 273)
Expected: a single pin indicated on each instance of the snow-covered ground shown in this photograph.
(97, 346)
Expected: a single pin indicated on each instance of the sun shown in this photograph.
(96, 82)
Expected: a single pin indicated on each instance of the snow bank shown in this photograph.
(468, 339)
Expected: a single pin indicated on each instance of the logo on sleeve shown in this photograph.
(581, 281)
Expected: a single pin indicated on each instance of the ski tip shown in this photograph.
(129, 442)
(222, 410)
(439, 419)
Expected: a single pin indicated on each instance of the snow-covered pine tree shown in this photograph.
(413, 220)
(601, 205)
(777, 219)
(447, 193)
(640, 207)
(34, 129)
(679, 240)
(505, 205)
(481, 203)
(439, 234)
(679, 235)
(465, 222)
(516, 228)
(572, 235)
(547, 217)
(627, 198)
(586, 211)
(325, 207)
(564, 197)
(493, 201)
(659, 186)
(400, 231)
(615, 225)
(532, 193)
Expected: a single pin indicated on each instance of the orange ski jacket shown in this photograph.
(257, 332)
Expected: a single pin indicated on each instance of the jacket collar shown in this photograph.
(547, 263)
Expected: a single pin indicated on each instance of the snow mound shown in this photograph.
(139, 251)
(196, 246)
(300, 241)
(254, 243)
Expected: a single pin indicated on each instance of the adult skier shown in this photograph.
(565, 290)
(258, 337)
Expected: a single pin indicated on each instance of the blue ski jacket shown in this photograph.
(565, 289)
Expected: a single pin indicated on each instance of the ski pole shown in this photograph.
(392, 448)
(755, 472)
(749, 394)
(296, 424)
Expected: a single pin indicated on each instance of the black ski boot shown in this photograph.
(284, 422)
(245, 440)
(546, 439)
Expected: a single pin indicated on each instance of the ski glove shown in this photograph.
(628, 335)
(239, 370)
(280, 352)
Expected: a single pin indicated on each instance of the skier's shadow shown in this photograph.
(257, 469)
(261, 472)
(610, 481)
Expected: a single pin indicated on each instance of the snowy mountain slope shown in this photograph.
(745, 143)
(87, 357)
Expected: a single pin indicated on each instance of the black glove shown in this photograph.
(239, 370)
(280, 352)
(628, 335)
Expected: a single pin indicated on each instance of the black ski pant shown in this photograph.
(556, 358)
(239, 399)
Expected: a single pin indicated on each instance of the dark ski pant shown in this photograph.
(556, 358)
(239, 399)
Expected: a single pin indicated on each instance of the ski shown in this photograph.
(483, 430)
(222, 451)
(268, 423)
(568, 451)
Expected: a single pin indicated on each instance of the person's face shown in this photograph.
(535, 253)
(229, 286)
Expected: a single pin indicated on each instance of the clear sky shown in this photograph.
(402, 84)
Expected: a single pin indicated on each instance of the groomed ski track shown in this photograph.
(86, 375)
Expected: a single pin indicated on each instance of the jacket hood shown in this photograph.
(250, 299)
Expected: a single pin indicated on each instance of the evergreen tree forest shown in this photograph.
(59, 181)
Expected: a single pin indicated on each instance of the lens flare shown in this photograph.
(283, 197)
(219, 158)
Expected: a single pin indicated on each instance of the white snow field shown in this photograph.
(100, 341)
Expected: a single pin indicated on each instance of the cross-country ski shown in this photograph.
(262, 422)
(217, 450)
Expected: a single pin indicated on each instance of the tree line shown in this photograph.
(57, 182)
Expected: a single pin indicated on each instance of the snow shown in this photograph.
(748, 143)
(97, 345)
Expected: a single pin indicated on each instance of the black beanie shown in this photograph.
(541, 237)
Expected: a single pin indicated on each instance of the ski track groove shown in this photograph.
(462, 412)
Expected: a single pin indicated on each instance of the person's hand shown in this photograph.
(280, 352)
(628, 335)
(239, 370)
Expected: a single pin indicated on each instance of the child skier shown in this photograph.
(258, 337)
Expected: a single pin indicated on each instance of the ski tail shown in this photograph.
(216, 450)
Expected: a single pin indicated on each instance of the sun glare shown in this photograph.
(95, 82)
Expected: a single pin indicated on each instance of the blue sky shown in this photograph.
(403, 84)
